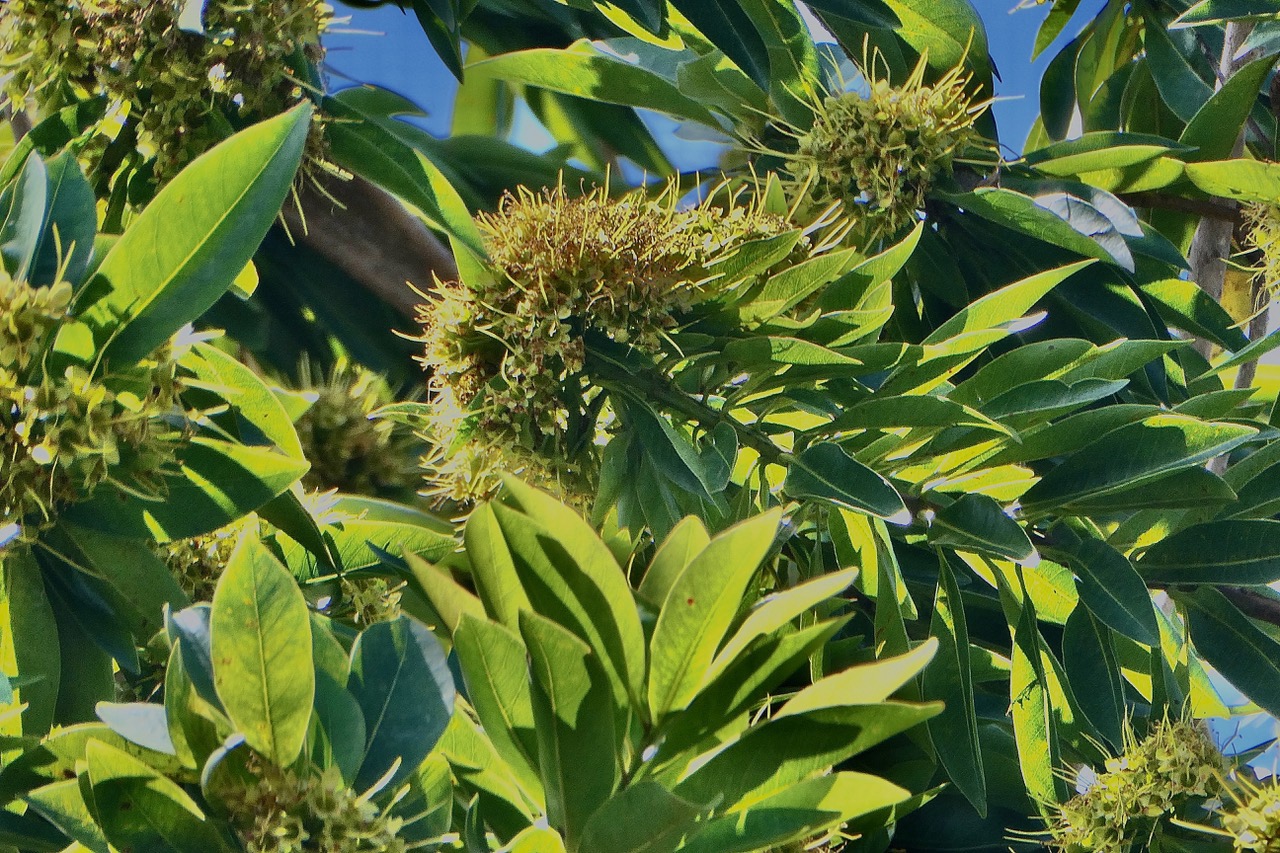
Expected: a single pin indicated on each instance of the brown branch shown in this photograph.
(1216, 210)
(370, 236)
(1253, 604)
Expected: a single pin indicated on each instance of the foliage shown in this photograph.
(916, 480)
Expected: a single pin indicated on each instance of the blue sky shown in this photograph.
(386, 47)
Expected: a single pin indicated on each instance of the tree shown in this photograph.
(893, 480)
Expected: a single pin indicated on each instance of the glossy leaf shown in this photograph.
(401, 679)
(183, 252)
(1240, 552)
(949, 679)
(825, 471)
(261, 645)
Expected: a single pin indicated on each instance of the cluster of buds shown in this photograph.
(348, 450)
(1262, 246)
(61, 435)
(877, 152)
(1155, 778)
(1254, 821)
(371, 599)
(310, 811)
(510, 387)
(197, 563)
(181, 84)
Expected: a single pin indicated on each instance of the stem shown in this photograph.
(650, 385)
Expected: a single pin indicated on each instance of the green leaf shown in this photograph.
(729, 28)
(29, 632)
(775, 611)
(216, 483)
(144, 581)
(976, 522)
(341, 727)
(1101, 150)
(371, 143)
(699, 610)
(1092, 669)
(862, 684)
(448, 598)
(494, 666)
(950, 680)
(1181, 87)
(1214, 129)
(1034, 726)
(1112, 590)
(493, 569)
(401, 679)
(673, 556)
(792, 285)
(243, 390)
(1241, 652)
(641, 818)
(571, 578)
(1137, 453)
(793, 60)
(22, 210)
(183, 252)
(1237, 552)
(797, 814)
(1220, 11)
(261, 643)
(70, 223)
(1002, 306)
(63, 805)
(1242, 180)
(774, 756)
(574, 718)
(138, 809)
(825, 471)
(583, 71)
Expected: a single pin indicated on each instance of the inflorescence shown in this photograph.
(879, 151)
(510, 386)
(183, 85)
(63, 434)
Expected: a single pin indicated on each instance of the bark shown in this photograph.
(1211, 245)
(371, 237)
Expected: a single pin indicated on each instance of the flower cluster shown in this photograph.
(288, 811)
(347, 450)
(510, 387)
(877, 152)
(372, 599)
(1154, 778)
(182, 89)
(1262, 240)
(63, 435)
(1254, 821)
(198, 562)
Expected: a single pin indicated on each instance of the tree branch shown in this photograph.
(1215, 210)
(1253, 604)
(371, 237)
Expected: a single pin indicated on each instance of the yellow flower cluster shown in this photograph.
(1175, 764)
(1254, 821)
(1262, 239)
(348, 451)
(877, 153)
(183, 90)
(198, 562)
(372, 599)
(510, 388)
(288, 811)
(63, 435)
